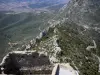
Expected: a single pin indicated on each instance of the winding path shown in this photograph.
(92, 47)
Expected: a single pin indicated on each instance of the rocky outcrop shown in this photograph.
(20, 62)
(83, 12)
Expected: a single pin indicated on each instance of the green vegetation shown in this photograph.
(23, 24)
(21, 28)
(73, 41)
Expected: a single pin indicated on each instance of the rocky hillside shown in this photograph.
(70, 43)
(83, 12)
(76, 39)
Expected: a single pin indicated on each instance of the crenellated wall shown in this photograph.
(26, 62)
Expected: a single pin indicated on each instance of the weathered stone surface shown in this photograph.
(17, 62)
(37, 70)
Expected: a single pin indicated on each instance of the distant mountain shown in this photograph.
(28, 5)
(6, 1)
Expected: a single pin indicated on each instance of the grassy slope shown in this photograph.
(22, 24)
(20, 27)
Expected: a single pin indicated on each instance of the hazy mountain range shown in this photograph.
(29, 5)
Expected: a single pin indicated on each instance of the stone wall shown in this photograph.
(18, 62)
